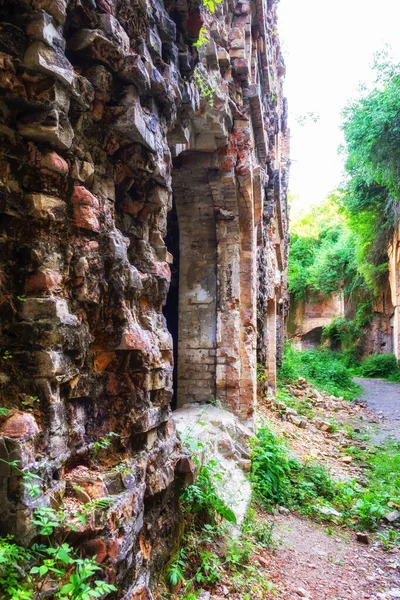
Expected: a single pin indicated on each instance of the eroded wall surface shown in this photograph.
(104, 116)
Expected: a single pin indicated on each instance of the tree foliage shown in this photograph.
(322, 254)
(372, 191)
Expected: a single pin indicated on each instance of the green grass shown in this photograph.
(323, 368)
(279, 478)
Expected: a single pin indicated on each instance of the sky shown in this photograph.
(328, 46)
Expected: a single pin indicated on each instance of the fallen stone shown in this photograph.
(302, 593)
(328, 510)
(209, 424)
(283, 510)
(391, 517)
(394, 593)
(363, 538)
(346, 460)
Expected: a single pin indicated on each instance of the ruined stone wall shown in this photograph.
(104, 116)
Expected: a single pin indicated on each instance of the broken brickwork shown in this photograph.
(108, 115)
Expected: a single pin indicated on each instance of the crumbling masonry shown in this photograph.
(127, 155)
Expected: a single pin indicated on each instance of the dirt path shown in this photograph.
(384, 398)
(318, 562)
(331, 567)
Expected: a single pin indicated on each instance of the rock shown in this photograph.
(394, 593)
(328, 510)
(322, 425)
(283, 510)
(40, 57)
(363, 537)
(47, 126)
(391, 517)
(55, 8)
(302, 593)
(42, 28)
(20, 425)
(209, 424)
(297, 420)
(41, 206)
(346, 459)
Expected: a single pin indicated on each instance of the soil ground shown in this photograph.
(326, 563)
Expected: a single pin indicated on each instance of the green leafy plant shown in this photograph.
(203, 38)
(4, 412)
(202, 83)
(202, 497)
(210, 4)
(103, 443)
(30, 480)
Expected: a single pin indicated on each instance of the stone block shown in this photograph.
(20, 426)
(166, 28)
(39, 57)
(115, 31)
(41, 27)
(46, 207)
(50, 126)
(43, 281)
(35, 309)
(154, 42)
(55, 8)
(97, 45)
(52, 364)
(133, 125)
(51, 161)
(86, 217)
(134, 71)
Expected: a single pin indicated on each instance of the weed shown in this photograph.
(202, 83)
(390, 539)
(203, 38)
(210, 4)
(103, 443)
(4, 412)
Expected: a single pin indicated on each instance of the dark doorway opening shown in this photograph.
(171, 308)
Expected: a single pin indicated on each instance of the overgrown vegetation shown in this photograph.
(322, 261)
(372, 192)
(49, 565)
(208, 554)
(324, 368)
(380, 365)
(280, 478)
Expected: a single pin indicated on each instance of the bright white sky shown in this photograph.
(328, 47)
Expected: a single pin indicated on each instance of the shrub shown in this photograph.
(379, 365)
(326, 369)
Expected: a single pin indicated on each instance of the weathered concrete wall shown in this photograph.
(103, 118)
